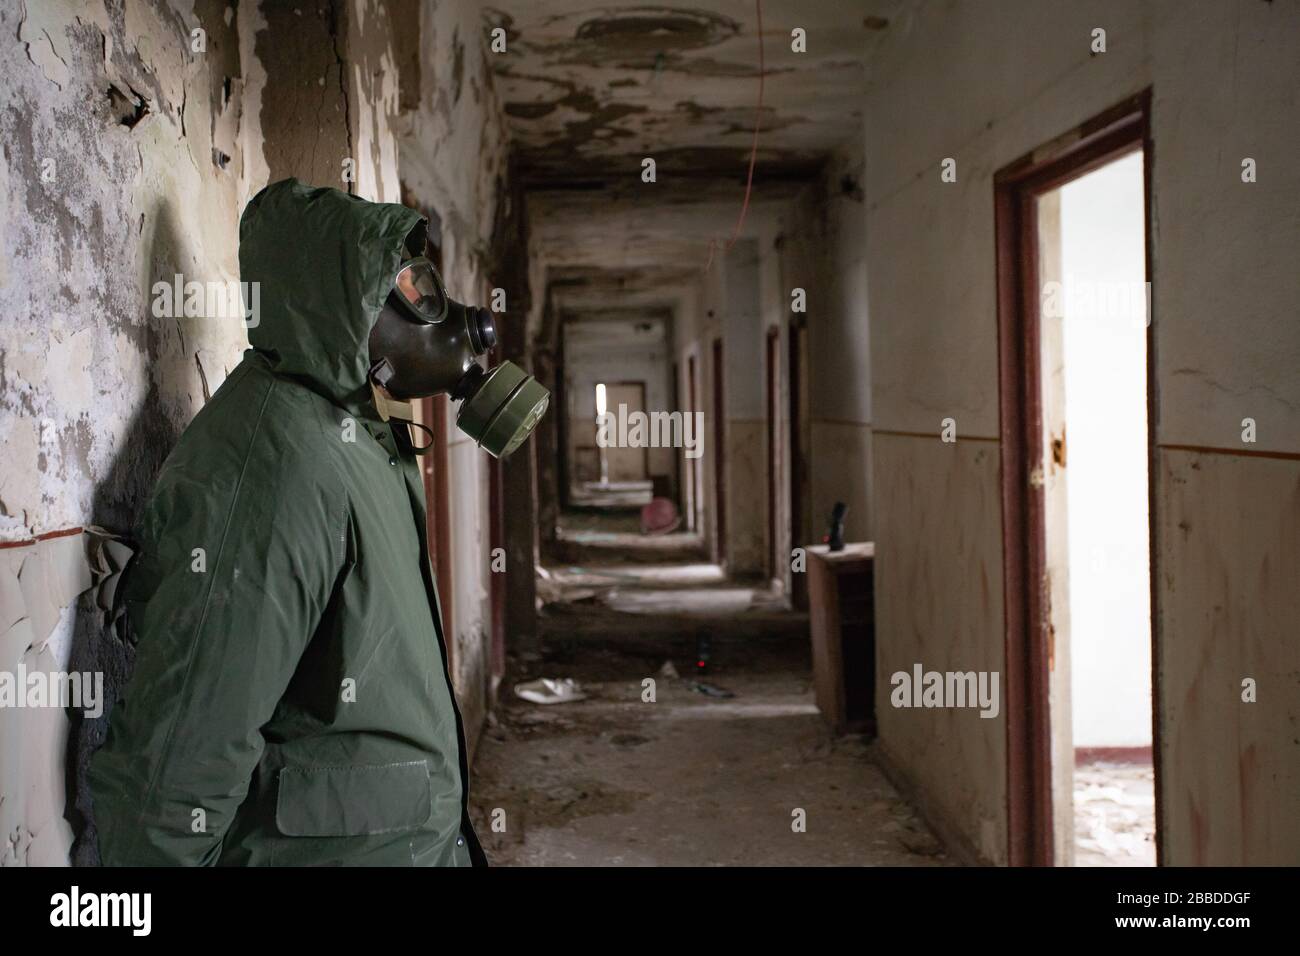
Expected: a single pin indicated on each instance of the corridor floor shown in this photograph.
(688, 779)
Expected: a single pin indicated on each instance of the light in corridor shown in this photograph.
(1103, 260)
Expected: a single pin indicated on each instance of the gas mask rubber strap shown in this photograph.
(394, 410)
(410, 442)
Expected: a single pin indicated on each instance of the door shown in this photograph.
(694, 495)
(496, 542)
(719, 456)
(624, 463)
(1058, 365)
(798, 333)
(772, 364)
(437, 494)
(432, 413)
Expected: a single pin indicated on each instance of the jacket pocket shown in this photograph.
(353, 801)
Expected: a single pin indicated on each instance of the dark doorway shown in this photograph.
(437, 494)
(436, 468)
(772, 365)
(496, 545)
(719, 456)
(694, 491)
(796, 379)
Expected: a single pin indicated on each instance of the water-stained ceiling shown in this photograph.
(592, 89)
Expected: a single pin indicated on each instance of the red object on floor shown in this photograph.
(659, 517)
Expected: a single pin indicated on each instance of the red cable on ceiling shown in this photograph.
(753, 152)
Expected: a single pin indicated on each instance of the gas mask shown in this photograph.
(424, 343)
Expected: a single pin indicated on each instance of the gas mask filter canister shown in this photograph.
(500, 408)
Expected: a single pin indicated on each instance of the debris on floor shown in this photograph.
(688, 782)
(548, 690)
(1114, 814)
(552, 590)
(681, 777)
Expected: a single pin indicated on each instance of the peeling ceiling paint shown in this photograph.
(591, 89)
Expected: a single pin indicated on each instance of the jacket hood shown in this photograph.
(324, 262)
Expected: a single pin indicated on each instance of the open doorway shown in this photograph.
(1102, 312)
(797, 377)
(719, 410)
(772, 390)
(694, 497)
(621, 463)
(1075, 342)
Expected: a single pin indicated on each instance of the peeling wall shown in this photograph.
(119, 167)
(39, 585)
(131, 136)
(1227, 346)
(452, 153)
(95, 388)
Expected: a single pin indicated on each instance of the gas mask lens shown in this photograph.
(419, 289)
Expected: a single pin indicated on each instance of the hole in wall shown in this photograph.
(128, 108)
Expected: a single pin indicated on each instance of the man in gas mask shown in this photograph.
(290, 702)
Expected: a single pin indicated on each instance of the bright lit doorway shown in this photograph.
(1094, 317)
(1074, 315)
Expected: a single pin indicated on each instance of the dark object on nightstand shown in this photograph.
(835, 539)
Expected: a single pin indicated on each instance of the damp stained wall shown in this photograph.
(452, 157)
(129, 145)
(119, 167)
(1227, 345)
(840, 355)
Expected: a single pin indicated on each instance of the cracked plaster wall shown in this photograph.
(126, 156)
(453, 149)
(119, 166)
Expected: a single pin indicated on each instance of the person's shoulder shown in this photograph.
(260, 427)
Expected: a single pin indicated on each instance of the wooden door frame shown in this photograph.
(560, 405)
(796, 378)
(496, 539)
(719, 453)
(693, 464)
(677, 459)
(436, 468)
(496, 579)
(1121, 129)
(772, 412)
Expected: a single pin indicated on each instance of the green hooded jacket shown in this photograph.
(290, 702)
